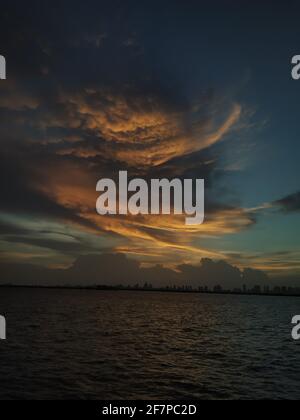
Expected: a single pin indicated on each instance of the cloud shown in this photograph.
(7, 228)
(79, 138)
(14, 97)
(88, 104)
(141, 131)
(276, 263)
(116, 269)
(64, 246)
(289, 204)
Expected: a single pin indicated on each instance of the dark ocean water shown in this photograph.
(72, 344)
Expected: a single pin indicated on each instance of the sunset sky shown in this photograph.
(191, 89)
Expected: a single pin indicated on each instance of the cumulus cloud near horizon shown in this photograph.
(117, 269)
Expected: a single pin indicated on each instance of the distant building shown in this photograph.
(257, 289)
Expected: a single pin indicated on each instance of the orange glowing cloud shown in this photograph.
(140, 131)
(143, 133)
(72, 186)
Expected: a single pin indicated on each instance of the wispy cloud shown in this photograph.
(289, 204)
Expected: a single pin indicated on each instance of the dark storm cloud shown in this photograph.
(116, 269)
(19, 198)
(289, 204)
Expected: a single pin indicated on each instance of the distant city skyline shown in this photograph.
(117, 270)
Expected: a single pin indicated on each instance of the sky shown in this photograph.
(160, 89)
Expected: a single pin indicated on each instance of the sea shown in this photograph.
(123, 345)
